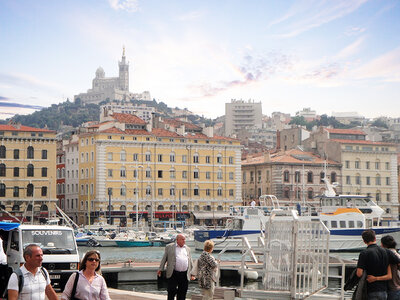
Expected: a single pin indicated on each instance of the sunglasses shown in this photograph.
(93, 259)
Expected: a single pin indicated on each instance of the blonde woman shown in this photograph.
(207, 267)
(90, 284)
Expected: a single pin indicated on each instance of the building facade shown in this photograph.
(292, 175)
(368, 168)
(27, 172)
(127, 162)
(240, 114)
(71, 204)
(142, 111)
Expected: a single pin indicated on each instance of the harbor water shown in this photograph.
(154, 254)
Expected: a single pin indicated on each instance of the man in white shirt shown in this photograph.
(253, 203)
(179, 266)
(36, 280)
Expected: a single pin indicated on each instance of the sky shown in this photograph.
(330, 56)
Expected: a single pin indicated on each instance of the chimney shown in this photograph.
(149, 127)
(181, 130)
(209, 131)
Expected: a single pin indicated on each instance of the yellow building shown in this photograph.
(27, 172)
(177, 167)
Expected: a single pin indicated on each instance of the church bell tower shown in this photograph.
(123, 73)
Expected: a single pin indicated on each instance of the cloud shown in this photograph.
(307, 14)
(127, 5)
(385, 67)
(354, 31)
(324, 72)
(25, 80)
(18, 105)
(190, 16)
(351, 49)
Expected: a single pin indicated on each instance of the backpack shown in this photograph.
(20, 278)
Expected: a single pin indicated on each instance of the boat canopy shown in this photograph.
(7, 226)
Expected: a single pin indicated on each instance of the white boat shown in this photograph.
(346, 216)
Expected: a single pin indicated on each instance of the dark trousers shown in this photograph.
(178, 285)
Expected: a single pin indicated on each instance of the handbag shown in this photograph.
(195, 268)
(73, 292)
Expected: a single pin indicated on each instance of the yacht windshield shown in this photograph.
(51, 241)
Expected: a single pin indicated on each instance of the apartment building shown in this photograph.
(293, 175)
(134, 166)
(240, 114)
(368, 168)
(27, 172)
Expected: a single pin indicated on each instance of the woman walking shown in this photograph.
(207, 267)
(388, 242)
(89, 284)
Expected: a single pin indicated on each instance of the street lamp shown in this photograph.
(137, 196)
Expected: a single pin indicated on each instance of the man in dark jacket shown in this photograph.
(375, 261)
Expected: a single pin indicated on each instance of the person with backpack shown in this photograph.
(31, 281)
(87, 283)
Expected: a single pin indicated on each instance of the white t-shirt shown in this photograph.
(34, 285)
(253, 203)
(3, 257)
(181, 259)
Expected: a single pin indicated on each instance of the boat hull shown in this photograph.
(134, 243)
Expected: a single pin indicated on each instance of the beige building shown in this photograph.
(240, 114)
(292, 175)
(164, 170)
(368, 168)
(27, 172)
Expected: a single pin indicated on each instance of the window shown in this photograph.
(286, 193)
(219, 159)
(231, 175)
(29, 190)
(172, 174)
(16, 172)
(358, 179)
(259, 177)
(208, 159)
(347, 163)
(196, 174)
(2, 190)
(110, 156)
(2, 151)
(244, 177)
(196, 158)
(123, 190)
(196, 191)
(16, 191)
(357, 164)
(30, 153)
(109, 173)
(367, 165)
(109, 191)
(172, 191)
(208, 175)
(219, 174)
(377, 165)
(30, 171)
(44, 154)
(348, 181)
(172, 157)
(333, 177)
(230, 192)
(208, 192)
(184, 192)
(251, 176)
(123, 155)
(159, 173)
(148, 173)
(378, 179)
(160, 192)
(184, 158)
(310, 194)
(378, 196)
(148, 190)
(2, 170)
(123, 172)
(230, 160)
(148, 156)
(387, 180)
(368, 180)
(44, 172)
(321, 177)
(219, 191)
(159, 157)
(44, 191)
(135, 157)
(309, 177)
(184, 174)
(387, 165)
(297, 176)
(286, 176)
(16, 153)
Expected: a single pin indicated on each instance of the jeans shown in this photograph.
(377, 296)
(394, 295)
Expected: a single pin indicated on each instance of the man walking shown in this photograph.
(179, 265)
(36, 280)
(376, 262)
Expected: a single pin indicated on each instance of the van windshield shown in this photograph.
(51, 241)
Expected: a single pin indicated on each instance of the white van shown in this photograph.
(60, 253)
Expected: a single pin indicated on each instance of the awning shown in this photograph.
(8, 226)
(210, 214)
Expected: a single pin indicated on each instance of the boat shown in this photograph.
(346, 216)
